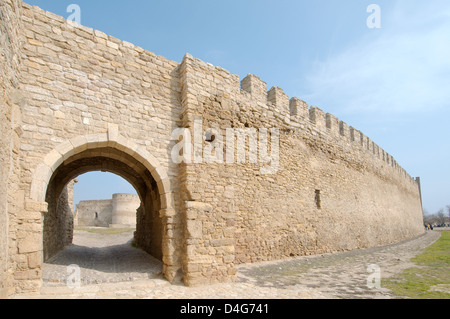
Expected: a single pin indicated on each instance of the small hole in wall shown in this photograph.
(96, 215)
(318, 200)
(210, 137)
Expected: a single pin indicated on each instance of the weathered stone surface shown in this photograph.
(30, 244)
(194, 229)
(90, 102)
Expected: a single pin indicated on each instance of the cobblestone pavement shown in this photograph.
(122, 271)
(102, 258)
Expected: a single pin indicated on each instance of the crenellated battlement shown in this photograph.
(298, 109)
(125, 196)
(326, 123)
(299, 112)
(256, 87)
(276, 107)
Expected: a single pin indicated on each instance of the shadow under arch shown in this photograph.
(109, 152)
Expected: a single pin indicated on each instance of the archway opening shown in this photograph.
(61, 219)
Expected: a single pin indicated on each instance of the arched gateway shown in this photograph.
(112, 153)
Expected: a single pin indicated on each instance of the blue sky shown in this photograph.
(392, 83)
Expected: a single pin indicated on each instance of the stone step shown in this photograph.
(103, 289)
(60, 280)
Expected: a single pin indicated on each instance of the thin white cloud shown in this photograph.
(402, 68)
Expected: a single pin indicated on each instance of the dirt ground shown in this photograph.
(110, 267)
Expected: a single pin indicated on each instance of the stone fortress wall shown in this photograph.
(119, 211)
(78, 100)
(335, 189)
(10, 120)
(97, 213)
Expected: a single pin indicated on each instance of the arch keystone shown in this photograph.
(97, 140)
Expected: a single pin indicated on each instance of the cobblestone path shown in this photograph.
(111, 268)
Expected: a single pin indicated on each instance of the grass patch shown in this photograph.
(104, 231)
(430, 278)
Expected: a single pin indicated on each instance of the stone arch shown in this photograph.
(111, 139)
(118, 150)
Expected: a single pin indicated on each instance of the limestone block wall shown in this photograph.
(10, 130)
(334, 188)
(96, 213)
(58, 221)
(79, 84)
(75, 100)
(149, 226)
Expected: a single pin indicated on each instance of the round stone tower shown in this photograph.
(124, 208)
